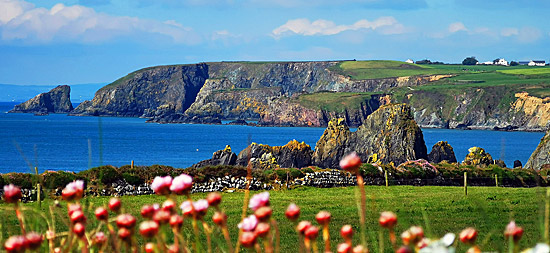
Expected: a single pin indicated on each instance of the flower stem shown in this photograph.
(20, 217)
(326, 238)
(362, 210)
(277, 236)
(207, 233)
(307, 243)
(225, 232)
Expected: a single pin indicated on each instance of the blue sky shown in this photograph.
(98, 41)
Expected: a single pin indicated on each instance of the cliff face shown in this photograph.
(541, 155)
(390, 134)
(493, 108)
(56, 100)
(166, 89)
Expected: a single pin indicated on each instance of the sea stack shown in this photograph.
(57, 100)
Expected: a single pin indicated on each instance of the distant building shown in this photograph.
(524, 62)
(501, 61)
(537, 63)
(409, 61)
(485, 63)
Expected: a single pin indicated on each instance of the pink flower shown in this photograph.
(249, 223)
(12, 193)
(512, 230)
(182, 184)
(73, 190)
(259, 200)
(201, 206)
(351, 162)
(161, 185)
(186, 208)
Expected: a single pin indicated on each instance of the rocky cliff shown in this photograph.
(56, 100)
(269, 92)
(390, 134)
(541, 155)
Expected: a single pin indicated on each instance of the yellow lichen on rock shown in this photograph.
(533, 106)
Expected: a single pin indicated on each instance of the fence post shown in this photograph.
(386, 176)
(496, 180)
(466, 183)
(38, 188)
(132, 166)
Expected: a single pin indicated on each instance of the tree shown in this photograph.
(425, 61)
(514, 63)
(469, 61)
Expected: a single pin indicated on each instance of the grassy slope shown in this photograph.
(446, 208)
(333, 101)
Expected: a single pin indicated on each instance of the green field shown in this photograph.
(438, 209)
(334, 101)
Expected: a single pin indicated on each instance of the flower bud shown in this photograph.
(79, 229)
(147, 211)
(303, 226)
(359, 249)
(176, 221)
(114, 205)
(169, 205)
(148, 228)
(468, 235)
(351, 162)
(149, 247)
(124, 234)
(388, 220)
(259, 200)
(214, 199)
(404, 249)
(78, 217)
(161, 185)
(512, 230)
(73, 190)
(73, 207)
(312, 232)
(323, 218)
(262, 230)
(162, 216)
(16, 243)
(101, 214)
(34, 240)
(263, 213)
(99, 239)
(247, 239)
(346, 232)
(12, 194)
(125, 221)
(343, 248)
(292, 212)
(219, 218)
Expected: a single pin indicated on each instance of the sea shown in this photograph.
(75, 143)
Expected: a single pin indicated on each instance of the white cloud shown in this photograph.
(20, 20)
(456, 27)
(327, 27)
(529, 34)
(507, 32)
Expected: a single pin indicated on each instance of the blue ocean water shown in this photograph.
(61, 142)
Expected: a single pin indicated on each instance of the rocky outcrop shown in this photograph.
(149, 92)
(57, 100)
(478, 157)
(541, 155)
(292, 155)
(220, 157)
(390, 134)
(442, 151)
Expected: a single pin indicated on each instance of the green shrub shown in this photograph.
(132, 179)
(369, 170)
(307, 170)
(2, 180)
(23, 180)
(108, 175)
(59, 179)
(295, 173)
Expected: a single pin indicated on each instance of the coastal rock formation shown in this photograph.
(541, 155)
(390, 134)
(149, 92)
(517, 164)
(268, 92)
(56, 100)
(220, 157)
(442, 151)
(478, 157)
(292, 155)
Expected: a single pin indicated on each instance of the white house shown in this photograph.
(485, 63)
(501, 62)
(409, 61)
(536, 63)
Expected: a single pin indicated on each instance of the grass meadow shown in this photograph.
(437, 209)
